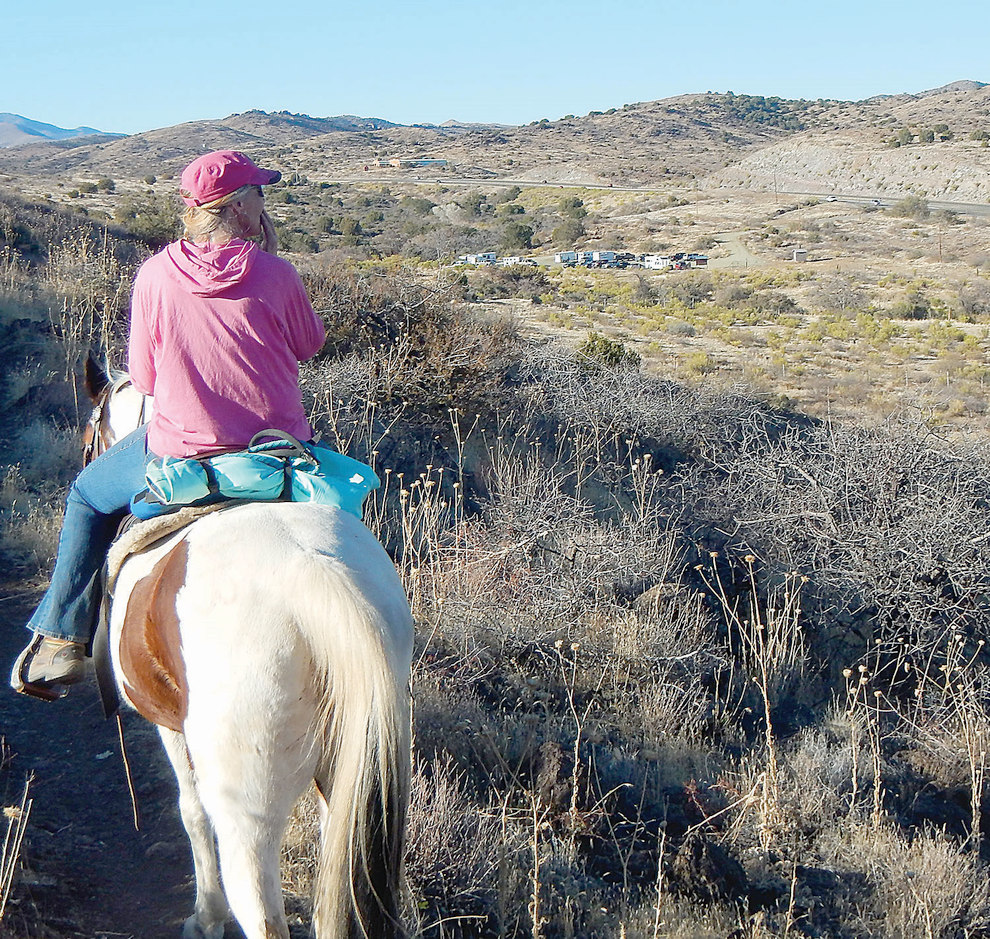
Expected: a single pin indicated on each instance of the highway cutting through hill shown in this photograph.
(882, 201)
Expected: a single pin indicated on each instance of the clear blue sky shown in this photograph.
(133, 65)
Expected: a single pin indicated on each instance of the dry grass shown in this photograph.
(635, 600)
(17, 817)
(586, 684)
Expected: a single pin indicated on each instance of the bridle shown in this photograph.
(99, 436)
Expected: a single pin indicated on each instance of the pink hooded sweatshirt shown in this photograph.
(217, 335)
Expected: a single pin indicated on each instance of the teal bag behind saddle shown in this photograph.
(335, 479)
(249, 475)
(175, 480)
(282, 468)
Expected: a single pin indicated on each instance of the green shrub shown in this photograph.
(598, 352)
(351, 231)
(417, 205)
(519, 280)
(912, 207)
(567, 233)
(914, 306)
(572, 207)
(154, 220)
(507, 195)
(517, 235)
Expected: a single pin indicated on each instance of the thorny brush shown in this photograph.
(585, 696)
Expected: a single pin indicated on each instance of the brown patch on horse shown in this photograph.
(150, 653)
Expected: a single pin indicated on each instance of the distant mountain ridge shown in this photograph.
(341, 122)
(931, 143)
(16, 130)
(315, 125)
(964, 85)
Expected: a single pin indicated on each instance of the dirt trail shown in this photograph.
(739, 255)
(90, 873)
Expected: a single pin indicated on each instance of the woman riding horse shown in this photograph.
(219, 325)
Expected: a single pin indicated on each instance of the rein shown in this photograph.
(99, 441)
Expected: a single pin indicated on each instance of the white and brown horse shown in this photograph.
(271, 644)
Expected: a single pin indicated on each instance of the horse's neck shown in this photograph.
(127, 411)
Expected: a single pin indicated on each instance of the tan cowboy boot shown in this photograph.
(47, 663)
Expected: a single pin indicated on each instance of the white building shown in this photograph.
(656, 262)
(487, 258)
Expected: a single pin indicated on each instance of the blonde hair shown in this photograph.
(202, 221)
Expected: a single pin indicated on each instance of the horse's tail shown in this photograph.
(359, 639)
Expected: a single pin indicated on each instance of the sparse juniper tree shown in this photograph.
(472, 203)
(152, 220)
(598, 352)
(351, 231)
(417, 205)
(567, 232)
(510, 208)
(508, 195)
(517, 235)
(573, 207)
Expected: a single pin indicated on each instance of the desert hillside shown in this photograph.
(698, 553)
(691, 662)
(708, 140)
(852, 152)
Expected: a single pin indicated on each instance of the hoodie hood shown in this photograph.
(209, 270)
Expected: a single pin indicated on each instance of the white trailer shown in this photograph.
(656, 262)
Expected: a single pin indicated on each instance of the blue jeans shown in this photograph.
(97, 502)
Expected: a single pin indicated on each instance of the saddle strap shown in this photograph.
(109, 696)
(293, 447)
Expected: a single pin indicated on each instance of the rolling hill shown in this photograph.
(16, 130)
(932, 143)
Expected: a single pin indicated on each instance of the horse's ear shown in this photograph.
(96, 378)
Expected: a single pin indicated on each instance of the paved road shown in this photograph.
(483, 181)
(962, 208)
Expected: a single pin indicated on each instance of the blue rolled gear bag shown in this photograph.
(281, 468)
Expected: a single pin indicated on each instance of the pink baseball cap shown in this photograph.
(217, 174)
